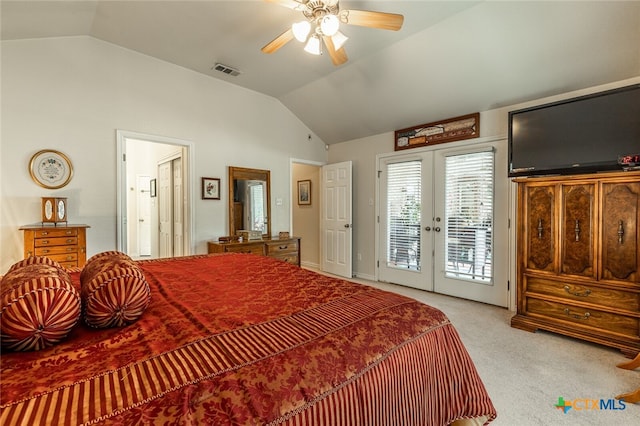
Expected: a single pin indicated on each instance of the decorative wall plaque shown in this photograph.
(453, 129)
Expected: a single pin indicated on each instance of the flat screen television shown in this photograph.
(581, 135)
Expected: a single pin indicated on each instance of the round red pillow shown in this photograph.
(114, 291)
(38, 306)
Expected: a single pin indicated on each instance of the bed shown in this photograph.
(242, 339)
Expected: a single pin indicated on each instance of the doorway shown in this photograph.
(305, 218)
(444, 220)
(140, 160)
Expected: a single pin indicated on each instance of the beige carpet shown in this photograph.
(525, 373)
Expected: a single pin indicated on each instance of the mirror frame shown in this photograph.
(249, 174)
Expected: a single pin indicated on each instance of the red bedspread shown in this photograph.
(248, 340)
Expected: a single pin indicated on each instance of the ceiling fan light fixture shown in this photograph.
(313, 45)
(301, 30)
(339, 39)
(329, 24)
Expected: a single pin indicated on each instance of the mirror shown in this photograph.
(249, 200)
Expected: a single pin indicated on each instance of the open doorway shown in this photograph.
(154, 196)
(305, 218)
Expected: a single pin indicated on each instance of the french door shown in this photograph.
(444, 220)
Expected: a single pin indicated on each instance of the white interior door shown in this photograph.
(144, 216)
(178, 208)
(443, 220)
(336, 226)
(165, 210)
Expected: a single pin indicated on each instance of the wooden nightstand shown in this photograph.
(66, 244)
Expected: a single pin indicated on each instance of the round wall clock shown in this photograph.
(50, 169)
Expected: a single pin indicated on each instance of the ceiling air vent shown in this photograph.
(226, 69)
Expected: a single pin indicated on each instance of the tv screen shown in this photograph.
(579, 135)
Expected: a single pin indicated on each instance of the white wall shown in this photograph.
(72, 94)
(363, 152)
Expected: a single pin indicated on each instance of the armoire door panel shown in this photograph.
(578, 230)
(620, 217)
(541, 227)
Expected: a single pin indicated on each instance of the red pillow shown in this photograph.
(38, 306)
(114, 291)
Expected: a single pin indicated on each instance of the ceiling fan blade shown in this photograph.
(338, 57)
(291, 4)
(278, 42)
(366, 18)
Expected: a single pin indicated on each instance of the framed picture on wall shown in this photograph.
(304, 192)
(210, 188)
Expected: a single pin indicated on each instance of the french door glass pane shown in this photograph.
(469, 182)
(403, 214)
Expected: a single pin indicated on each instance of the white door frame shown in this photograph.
(121, 184)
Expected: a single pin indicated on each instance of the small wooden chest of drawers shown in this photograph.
(287, 249)
(66, 245)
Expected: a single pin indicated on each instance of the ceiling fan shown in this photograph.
(321, 26)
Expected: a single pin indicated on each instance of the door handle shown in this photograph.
(140, 220)
(347, 225)
(428, 228)
(437, 229)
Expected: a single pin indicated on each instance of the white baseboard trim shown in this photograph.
(364, 276)
(309, 265)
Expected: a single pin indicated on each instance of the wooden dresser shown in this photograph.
(578, 262)
(66, 244)
(287, 249)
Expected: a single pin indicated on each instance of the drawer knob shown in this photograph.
(577, 293)
(577, 316)
(45, 241)
(283, 247)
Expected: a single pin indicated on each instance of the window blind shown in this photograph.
(403, 214)
(469, 182)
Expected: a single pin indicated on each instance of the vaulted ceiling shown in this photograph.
(450, 58)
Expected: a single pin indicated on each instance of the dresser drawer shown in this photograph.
(586, 317)
(291, 258)
(52, 232)
(277, 248)
(68, 260)
(49, 251)
(257, 248)
(596, 295)
(55, 241)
